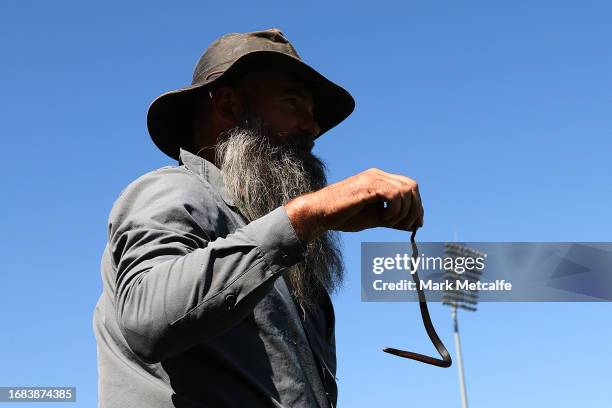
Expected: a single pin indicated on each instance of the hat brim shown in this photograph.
(170, 115)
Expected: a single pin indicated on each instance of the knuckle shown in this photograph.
(365, 193)
(365, 176)
(410, 182)
(378, 184)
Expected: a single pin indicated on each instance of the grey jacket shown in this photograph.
(195, 310)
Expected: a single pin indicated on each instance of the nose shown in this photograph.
(309, 126)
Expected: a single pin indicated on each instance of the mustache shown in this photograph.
(293, 140)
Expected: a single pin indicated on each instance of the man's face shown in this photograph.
(283, 104)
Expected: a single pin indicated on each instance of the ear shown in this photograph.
(227, 105)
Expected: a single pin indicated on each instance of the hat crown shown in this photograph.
(229, 47)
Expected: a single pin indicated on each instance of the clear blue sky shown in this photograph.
(501, 111)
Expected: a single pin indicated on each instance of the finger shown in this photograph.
(388, 193)
(407, 203)
(409, 224)
(418, 204)
(421, 220)
(368, 217)
(415, 217)
(415, 212)
(411, 201)
(397, 177)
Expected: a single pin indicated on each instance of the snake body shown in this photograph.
(446, 360)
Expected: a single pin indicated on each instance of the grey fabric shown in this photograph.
(195, 310)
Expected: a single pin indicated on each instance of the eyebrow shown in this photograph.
(295, 91)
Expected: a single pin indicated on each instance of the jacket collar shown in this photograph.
(208, 171)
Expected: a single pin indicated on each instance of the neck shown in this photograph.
(207, 153)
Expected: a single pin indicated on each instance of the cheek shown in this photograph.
(278, 118)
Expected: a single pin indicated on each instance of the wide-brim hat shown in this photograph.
(170, 115)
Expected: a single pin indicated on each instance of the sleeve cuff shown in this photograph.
(274, 235)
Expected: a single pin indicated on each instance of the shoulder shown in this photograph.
(177, 179)
(167, 193)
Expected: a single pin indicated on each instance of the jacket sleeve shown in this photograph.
(177, 283)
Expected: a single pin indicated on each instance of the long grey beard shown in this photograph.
(261, 175)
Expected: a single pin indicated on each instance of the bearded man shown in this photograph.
(218, 271)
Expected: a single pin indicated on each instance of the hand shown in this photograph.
(358, 203)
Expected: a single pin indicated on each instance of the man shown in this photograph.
(218, 271)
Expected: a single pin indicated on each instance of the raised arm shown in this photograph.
(177, 283)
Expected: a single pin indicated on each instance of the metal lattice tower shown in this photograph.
(460, 298)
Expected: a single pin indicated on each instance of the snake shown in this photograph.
(446, 360)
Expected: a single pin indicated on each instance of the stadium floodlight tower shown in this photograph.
(460, 297)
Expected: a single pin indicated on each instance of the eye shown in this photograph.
(291, 101)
